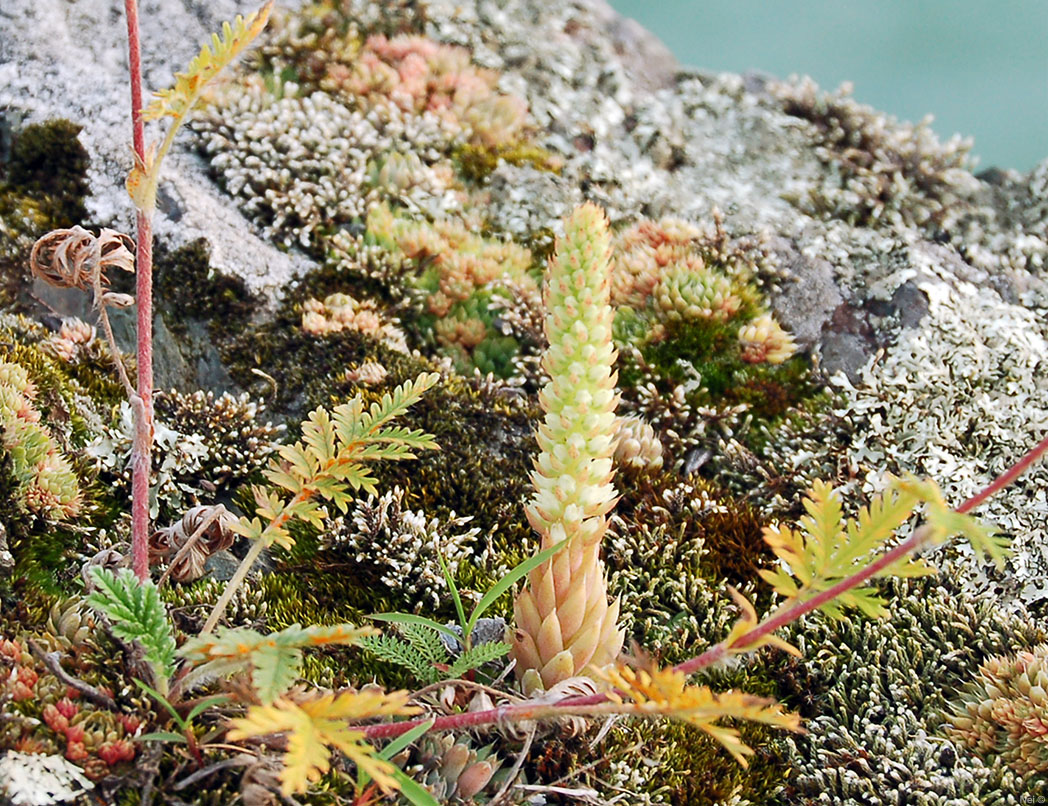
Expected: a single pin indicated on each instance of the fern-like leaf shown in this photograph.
(665, 692)
(332, 456)
(213, 58)
(315, 725)
(273, 660)
(477, 656)
(394, 650)
(136, 613)
(426, 642)
(827, 549)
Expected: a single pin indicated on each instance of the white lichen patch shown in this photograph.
(402, 546)
(28, 779)
(960, 400)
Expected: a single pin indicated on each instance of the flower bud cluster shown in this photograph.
(564, 619)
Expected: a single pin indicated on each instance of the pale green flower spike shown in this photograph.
(563, 617)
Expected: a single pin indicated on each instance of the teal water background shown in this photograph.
(979, 66)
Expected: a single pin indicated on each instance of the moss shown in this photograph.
(42, 187)
(476, 163)
(48, 163)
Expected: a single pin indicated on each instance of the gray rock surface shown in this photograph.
(69, 59)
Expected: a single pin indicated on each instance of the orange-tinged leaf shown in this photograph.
(664, 692)
(214, 56)
(322, 722)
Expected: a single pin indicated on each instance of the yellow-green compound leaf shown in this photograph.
(315, 725)
(664, 692)
(212, 59)
(827, 550)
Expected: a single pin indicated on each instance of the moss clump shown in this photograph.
(49, 164)
(476, 163)
(188, 288)
(878, 693)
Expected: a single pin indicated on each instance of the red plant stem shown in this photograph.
(790, 614)
(143, 407)
(531, 710)
(1006, 478)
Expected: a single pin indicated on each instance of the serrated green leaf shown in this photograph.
(398, 652)
(136, 613)
(477, 656)
(275, 670)
(426, 641)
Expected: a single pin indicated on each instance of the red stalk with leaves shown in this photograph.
(75, 258)
(143, 403)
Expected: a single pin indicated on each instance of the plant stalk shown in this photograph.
(143, 405)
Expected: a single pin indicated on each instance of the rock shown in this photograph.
(69, 60)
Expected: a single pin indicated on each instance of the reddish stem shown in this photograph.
(1006, 478)
(143, 408)
(530, 710)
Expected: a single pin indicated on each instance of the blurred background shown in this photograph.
(979, 66)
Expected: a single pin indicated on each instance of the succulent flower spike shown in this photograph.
(564, 621)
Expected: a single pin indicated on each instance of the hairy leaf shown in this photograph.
(136, 613)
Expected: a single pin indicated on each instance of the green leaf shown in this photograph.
(162, 736)
(404, 739)
(415, 794)
(509, 581)
(204, 704)
(426, 641)
(411, 618)
(136, 613)
(477, 656)
(455, 597)
(395, 746)
(160, 698)
(393, 650)
(276, 668)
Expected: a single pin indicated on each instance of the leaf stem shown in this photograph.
(143, 439)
